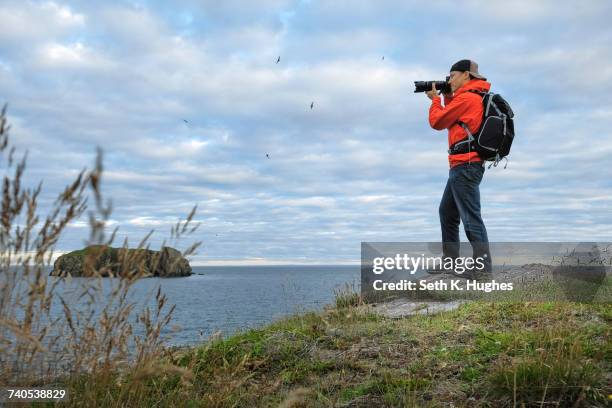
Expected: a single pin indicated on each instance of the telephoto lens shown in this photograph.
(425, 86)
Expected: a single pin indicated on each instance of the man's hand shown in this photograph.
(433, 93)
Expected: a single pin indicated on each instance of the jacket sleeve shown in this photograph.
(444, 117)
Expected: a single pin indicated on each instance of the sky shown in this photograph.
(190, 107)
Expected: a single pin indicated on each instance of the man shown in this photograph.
(461, 198)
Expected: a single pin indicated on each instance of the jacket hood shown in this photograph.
(476, 85)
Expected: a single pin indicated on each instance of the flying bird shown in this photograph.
(278, 59)
(267, 155)
(383, 57)
(311, 104)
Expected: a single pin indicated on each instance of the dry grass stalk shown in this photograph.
(102, 330)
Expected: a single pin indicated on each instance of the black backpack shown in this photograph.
(496, 133)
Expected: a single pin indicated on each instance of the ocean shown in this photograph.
(230, 298)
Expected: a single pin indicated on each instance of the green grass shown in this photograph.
(482, 354)
(393, 389)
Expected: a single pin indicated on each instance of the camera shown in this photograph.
(425, 86)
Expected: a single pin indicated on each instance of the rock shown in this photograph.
(399, 308)
(172, 263)
(103, 260)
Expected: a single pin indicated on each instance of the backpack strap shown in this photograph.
(497, 160)
(465, 145)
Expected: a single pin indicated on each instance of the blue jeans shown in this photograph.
(461, 202)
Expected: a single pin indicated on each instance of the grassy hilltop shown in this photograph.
(480, 355)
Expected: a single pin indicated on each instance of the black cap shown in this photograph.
(469, 66)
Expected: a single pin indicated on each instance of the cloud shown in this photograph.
(529, 12)
(69, 57)
(35, 21)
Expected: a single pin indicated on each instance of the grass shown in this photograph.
(480, 355)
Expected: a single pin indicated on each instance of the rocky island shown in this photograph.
(105, 261)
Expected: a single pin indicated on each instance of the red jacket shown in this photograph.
(462, 106)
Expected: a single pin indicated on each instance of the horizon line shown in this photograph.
(275, 263)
